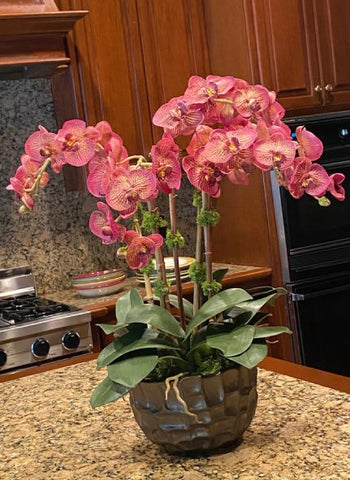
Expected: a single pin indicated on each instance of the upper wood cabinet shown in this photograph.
(303, 48)
(129, 57)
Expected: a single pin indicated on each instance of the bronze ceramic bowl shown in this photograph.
(219, 410)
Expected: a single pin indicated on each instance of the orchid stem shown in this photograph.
(35, 186)
(173, 226)
(164, 299)
(197, 291)
(148, 286)
(208, 255)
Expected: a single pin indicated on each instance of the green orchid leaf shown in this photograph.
(107, 355)
(126, 303)
(108, 328)
(106, 392)
(157, 317)
(264, 332)
(217, 304)
(232, 342)
(131, 371)
(250, 358)
(188, 306)
(139, 344)
(218, 275)
(253, 306)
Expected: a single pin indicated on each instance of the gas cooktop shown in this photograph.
(34, 329)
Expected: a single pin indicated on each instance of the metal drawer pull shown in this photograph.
(329, 87)
(298, 297)
(318, 89)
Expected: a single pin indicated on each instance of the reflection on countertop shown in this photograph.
(301, 431)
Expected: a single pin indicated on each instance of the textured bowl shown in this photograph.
(220, 409)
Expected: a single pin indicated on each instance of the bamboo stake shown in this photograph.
(173, 226)
(164, 299)
(208, 254)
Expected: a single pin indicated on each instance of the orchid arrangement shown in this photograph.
(234, 128)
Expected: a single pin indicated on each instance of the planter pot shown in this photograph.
(219, 409)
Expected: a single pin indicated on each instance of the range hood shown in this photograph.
(32, 38)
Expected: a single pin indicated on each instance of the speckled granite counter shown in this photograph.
(48, 431)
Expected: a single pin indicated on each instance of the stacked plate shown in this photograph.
(97, 284)
(184, 263)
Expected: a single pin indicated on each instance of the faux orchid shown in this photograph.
(234, 128)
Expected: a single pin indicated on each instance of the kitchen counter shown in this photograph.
(48, 431)
(236, 274)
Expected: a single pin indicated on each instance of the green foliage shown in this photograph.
(160, 288)
(174, 239)
(208, 217)
(149, 268)
(150, 345)
(197, 273)
(211, 287)
(197, 198)
(152, 221)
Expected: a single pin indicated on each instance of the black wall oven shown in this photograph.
(314, 244)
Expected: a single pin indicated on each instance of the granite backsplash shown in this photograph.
(54, 239)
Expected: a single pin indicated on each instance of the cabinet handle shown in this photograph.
(318, 89)
(329, 87)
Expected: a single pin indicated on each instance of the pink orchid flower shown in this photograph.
(105, 132)
(223, 145)
(199, 139)
(24, 180)
(178, 117)
(308, 177)
(276, 151)
(78, 142)
(165, 164)
(251, 100)
(103, 165)
(141, 248)
(309, 145)
(128, 187)
(42, 145)
(102, 225)
(335, 186)
(200, 90)
(239, 167)
(203, 174)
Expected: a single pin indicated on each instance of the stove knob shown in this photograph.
(71, 340)
(40, 348)
(3, 357)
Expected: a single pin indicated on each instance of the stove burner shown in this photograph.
(28, 308)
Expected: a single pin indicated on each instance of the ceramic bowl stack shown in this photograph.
(97, 284)
(184, 263)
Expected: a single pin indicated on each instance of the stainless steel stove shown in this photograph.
(36, 330)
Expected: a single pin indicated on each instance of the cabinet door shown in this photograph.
(333, 21)
(173, 48)
(108, 69)
(287, 51)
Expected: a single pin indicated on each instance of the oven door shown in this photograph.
(319, 315)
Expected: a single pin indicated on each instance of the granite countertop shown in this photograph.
(48, 431)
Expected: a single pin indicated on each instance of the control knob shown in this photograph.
(40, 348)
(3, 357)
(71, 340)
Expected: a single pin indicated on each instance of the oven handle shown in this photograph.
(299, 297)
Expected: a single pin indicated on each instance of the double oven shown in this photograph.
(314, 244)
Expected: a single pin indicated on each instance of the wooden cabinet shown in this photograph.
(303, 48)
(129, 57)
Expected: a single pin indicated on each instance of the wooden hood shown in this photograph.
(32, 38)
